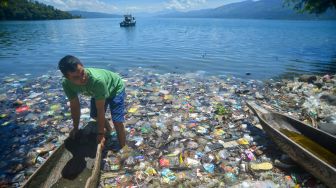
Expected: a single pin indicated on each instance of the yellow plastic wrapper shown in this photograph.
(219, 132)
(181, 158)
(150, 171)
(243, 141)
(317, 90)
(133, 110)
(55, 107)
(168, 97)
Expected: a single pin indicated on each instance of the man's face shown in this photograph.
(78, 77)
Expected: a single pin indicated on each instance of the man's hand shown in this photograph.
(101, 140)
(73, 133)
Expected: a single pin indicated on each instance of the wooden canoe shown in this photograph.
(321, 162)
(76, 163)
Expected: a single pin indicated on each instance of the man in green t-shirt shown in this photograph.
(106, 89)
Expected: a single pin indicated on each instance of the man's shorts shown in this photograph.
(117, 107)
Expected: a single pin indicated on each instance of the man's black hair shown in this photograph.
(68, 64)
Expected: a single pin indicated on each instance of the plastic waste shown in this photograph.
(261, 166)
(198, 125)
(209, 167)
(168, 175)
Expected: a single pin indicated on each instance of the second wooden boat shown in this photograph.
(313, 149)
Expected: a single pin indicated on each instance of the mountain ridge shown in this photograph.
(89, 14)
(263, 9)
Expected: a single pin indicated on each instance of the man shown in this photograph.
(106, 89)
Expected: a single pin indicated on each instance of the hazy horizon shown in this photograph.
(133, 6)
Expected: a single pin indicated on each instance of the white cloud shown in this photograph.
(184, 4)
(86, 5)
(131, 8)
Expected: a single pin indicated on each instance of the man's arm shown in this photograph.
(75, 111)
(100, 105)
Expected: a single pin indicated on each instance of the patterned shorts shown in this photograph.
(117, 107)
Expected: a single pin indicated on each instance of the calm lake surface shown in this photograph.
(264, 48)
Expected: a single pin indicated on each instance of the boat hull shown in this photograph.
(76, 163)
(122, 24)
(317, 167)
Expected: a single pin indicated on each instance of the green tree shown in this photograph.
(30, 10)
(312, 6)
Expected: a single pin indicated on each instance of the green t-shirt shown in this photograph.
(101, 84)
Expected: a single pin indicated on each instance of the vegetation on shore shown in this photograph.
(30, 10)
(312, 6)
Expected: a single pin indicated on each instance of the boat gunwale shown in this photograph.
(61, 147)
(258, 113)
(90, 182)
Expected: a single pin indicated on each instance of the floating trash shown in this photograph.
(182, 130)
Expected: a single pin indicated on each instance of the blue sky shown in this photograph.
(134, 6)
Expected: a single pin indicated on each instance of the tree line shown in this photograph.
(30, 10)
(312, 6)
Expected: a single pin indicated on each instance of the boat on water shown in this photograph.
(311, 148)
(76, 163)
(128, 21)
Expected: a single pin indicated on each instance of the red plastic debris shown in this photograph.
(164, 162)
(22, 109)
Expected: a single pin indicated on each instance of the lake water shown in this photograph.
(264, 48)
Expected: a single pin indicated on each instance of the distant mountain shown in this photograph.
(155, 14)
(85, 14)
(263, 9)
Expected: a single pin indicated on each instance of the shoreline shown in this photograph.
(35, 111)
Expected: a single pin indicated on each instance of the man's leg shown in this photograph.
(108, 127)
(117, 107)
(120, 129)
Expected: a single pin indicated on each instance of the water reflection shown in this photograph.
(264, 48)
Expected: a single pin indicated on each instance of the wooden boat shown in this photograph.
(313, 149)
(76, 163)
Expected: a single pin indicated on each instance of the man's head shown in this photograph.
(73, 69)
